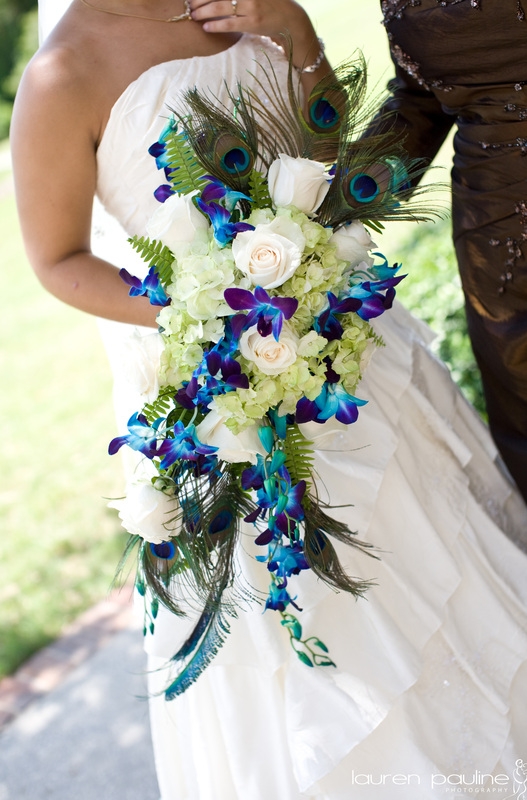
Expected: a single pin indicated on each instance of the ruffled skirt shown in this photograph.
(429, 696)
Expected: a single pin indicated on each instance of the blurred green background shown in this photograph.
(59, 544)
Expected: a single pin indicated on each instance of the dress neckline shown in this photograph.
(162, 65)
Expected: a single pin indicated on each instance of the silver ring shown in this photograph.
(234, 4)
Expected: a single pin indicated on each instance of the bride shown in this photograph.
(430, 692)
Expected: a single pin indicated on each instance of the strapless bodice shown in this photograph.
(127, 175)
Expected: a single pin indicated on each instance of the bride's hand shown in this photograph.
(282, 20)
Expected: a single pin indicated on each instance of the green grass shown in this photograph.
(59, 544)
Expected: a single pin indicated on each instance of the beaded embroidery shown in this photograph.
(520, 143)
(514, 246)
(413, 69)
(393, 9)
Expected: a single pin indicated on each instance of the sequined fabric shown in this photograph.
(462, 63)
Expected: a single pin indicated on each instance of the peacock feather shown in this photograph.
(373, 177)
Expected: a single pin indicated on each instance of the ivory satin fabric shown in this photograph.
(431, 675)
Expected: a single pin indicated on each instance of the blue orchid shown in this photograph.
(184, 445)
(159, 151)
(382, 271)
(287, 560)
(279, 422)
(218, 373)
(216, 190)
(278, 598)
(141, 437)
(333, 400)
(327, 324)
(220, 219)
(255, 476)
(267, 313)
(373, 302)
(229, 369)
(163, 192)
(151, 287)
(289, 510)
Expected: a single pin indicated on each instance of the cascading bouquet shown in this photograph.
(260, 260)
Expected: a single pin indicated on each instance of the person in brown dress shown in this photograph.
(463, 63)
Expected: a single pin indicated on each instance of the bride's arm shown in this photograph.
(282, 20)
(53, 135)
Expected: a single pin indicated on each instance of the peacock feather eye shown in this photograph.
(221, 522)
(163, 550)
(367, 185)
(233, 155)
(326, 111)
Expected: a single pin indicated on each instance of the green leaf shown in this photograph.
(304, 658)
(155, 607)
(321, 645)
(161, 405)
(187, 173)
(259, 190)
(299, 455)
(156, 254)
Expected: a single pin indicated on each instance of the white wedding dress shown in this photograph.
(430, 690)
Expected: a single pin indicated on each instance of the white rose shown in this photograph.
(148, 512)
(270, 356)
(144, 358)
(353, 243)
(271, 253)
(232, 448)
(297, 182)
(176, 221)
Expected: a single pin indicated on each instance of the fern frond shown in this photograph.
(299, 455)
(259, 190)
(161, 406)
(156, 254)
(187, 173)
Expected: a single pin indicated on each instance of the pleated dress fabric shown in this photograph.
(431, 676)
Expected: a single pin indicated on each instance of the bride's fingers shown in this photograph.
(215, 9)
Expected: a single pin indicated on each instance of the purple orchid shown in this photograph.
(267, 313)
(141, 437)
(220, 219)
(151, 287)
(184, 445)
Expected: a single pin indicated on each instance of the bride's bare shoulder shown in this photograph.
(61, 83)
